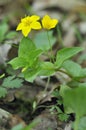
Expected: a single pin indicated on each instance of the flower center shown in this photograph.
(28, 22)
(48, 25)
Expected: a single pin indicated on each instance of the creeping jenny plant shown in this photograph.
(28, 60)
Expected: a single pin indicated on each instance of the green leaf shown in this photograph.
(11, 35)
(18, 62)
(12, 82)
(82, 123)
(3, 91)
(74, 100)
(74, 69)
(27, 59)
(31, 73)
(33, 124)
(41, 40)
(28, 54)
(75, 83)
(83, 73)
(65, 54)
(47, 69)
(63, 116)
(25, 47)
(17, 127)
(34, 55)
(3, 30)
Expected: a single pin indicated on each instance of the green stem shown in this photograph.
(14, 45)
(76, 123)
(60, 36)
(62, 71)
(49, 41)
(51, 57)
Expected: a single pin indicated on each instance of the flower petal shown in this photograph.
(46, 17)
(53, 23)
(28, 23)
(35, 25)
(26, 31)
(19, 27)
(25, 19)
(34, 18)
(45, 21)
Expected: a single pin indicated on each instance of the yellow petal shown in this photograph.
(54, 22)
(44, 24)
(26, 31)
(45, 21)
(25, 19)
(35, 25)
(19, 27)
(47, 18)
(34, 18)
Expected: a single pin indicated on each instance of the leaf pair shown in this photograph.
(27, 59)
(61, 58)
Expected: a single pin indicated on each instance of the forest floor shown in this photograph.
(31, 101)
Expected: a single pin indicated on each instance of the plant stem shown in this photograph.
(62, 71)
(51, 57)
(76, 123)
(60, 36)
(49, 41)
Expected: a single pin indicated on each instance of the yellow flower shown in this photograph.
(28, 23)
(49, 23)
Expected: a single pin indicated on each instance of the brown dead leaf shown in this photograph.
(7, 120)
(15, 120)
